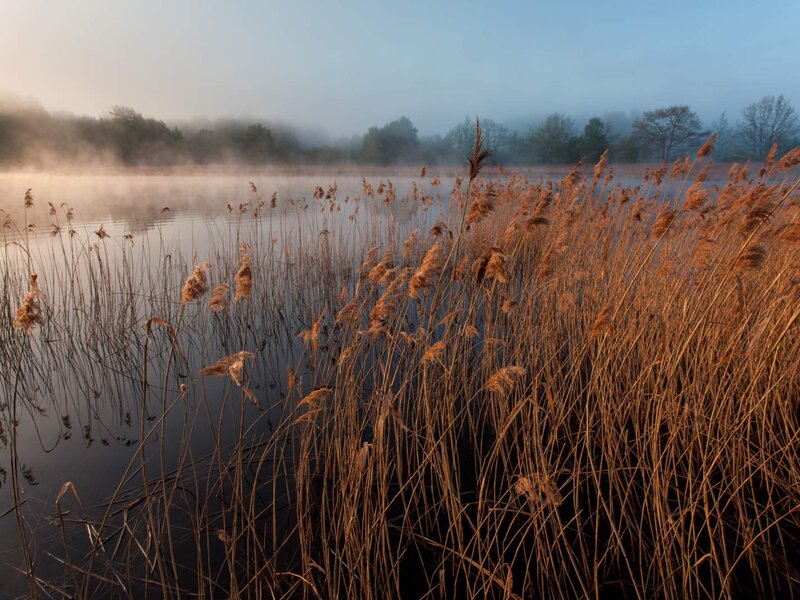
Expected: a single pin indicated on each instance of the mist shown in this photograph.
(31, 137)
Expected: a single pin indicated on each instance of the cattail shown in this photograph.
(433, 353)
(196, 284)
(664, 221)
(219, 298)
(752, 258)
(423, 277)
(503, 380)
(244, 276)
(708, 147)
(29, 313)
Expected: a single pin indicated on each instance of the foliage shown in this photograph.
(668, 132)
(769, 121)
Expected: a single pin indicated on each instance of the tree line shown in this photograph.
(32, 136)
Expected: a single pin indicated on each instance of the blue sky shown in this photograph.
(346, 65)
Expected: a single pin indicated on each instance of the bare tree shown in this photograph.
(768, 121)
(668, 131)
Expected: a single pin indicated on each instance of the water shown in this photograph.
(89, 386)
(78, 382)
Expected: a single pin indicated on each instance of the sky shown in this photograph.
(348, 64)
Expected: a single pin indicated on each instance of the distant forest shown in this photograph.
(30, 136)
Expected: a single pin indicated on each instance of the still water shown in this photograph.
(112, 251)
(112, 406)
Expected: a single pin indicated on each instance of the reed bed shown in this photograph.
(526, 388)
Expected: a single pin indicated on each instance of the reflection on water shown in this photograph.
(115, 410)
(117, 407)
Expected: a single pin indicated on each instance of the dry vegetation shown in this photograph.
(546, 389)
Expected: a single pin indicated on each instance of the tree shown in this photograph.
(391, 143)
(257, 145)
(768, 121)
(594, 140)
(666, 132)
(553, 141)
(141, 141)
(725, 146)
(461, 138)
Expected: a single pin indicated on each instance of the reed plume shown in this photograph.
(219, 298)
(708, 147)
(29, 313)
(196, 284)
(503, 380)
(666, 217)
(425, 274)
(752, 258)
(244, 276)
(479, 153)
(433, 353)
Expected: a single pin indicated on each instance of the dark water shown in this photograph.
(76, 385)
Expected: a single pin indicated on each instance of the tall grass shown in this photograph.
(530, 388)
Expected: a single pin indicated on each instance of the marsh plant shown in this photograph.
(528, 388)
